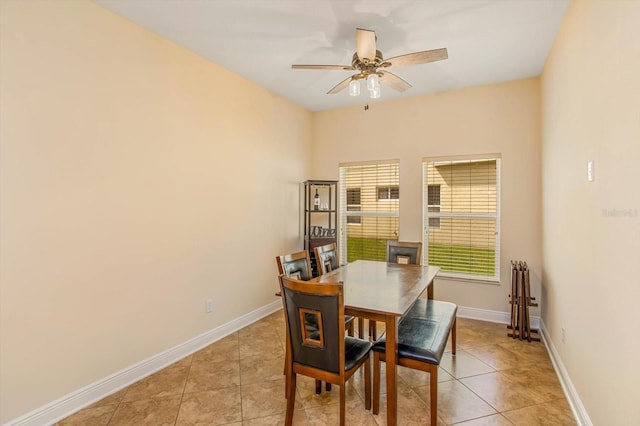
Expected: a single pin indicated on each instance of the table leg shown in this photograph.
(391, 354)
(430, 291)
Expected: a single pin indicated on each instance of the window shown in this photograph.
(388, 193)
(433, 204)
(369, 209)
(353, 205)
(462, 216)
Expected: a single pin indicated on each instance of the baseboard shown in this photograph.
(69, 404)
(579, 412)
(493, 316)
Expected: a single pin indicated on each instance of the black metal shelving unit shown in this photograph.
(320, 220)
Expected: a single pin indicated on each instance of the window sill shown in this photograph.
(468, 279)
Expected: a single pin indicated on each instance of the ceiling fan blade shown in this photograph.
(393, 81)
(340, 86)
(418, 58)
(323, 67)
(366, 44)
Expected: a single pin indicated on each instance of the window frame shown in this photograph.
(431, 207)
(427, 215)
(351, 219)
(391, 190)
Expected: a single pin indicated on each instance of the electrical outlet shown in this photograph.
(563, 334)
(208, 307)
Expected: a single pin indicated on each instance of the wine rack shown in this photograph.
(320, 215)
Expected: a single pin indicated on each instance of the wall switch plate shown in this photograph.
(591, 173)
(208, 307)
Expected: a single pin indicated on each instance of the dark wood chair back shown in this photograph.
(295, 265)
(326, 258)
(404, 252)
(316, 347)
(322, 352)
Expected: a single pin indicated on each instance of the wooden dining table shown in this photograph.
(382, 291)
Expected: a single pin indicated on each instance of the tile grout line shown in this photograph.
(118, 405)
(497, 372)
(457, 379)
(240, 385)
(184, 388)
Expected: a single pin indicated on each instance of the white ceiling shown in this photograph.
(488, 41)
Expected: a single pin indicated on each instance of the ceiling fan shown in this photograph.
(370, 65)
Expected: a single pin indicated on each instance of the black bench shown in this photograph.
(422, 338)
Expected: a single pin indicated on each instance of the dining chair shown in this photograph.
(298, 266)
(326, 258)
(323, 353)
(295, 265)
(404, 252)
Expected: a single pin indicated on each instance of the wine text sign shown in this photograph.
(321, 232)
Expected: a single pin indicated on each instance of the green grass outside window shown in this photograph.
(468, 260)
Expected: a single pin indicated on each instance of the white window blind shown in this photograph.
(369, 209)
(462, 235)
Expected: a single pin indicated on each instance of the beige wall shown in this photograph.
(591, 230)
(137, 180)
(502, 118)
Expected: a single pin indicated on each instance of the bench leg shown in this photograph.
(433, 385)
(453, 336)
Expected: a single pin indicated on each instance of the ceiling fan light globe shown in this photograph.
(375, 93)
(354, 88)
(373, 81)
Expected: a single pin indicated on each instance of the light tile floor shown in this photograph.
(492, 380)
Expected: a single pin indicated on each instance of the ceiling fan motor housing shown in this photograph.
(367, 67)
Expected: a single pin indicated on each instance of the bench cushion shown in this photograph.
(423, 331)
(433, 310)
